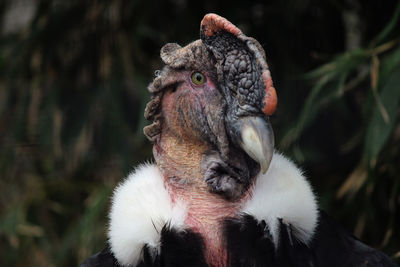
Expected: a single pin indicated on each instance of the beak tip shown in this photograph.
(264, 168)
(257, 140)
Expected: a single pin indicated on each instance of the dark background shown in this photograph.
(73, 77)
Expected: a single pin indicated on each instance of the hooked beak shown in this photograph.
(256, 138)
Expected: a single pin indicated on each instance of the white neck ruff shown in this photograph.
(141, 206)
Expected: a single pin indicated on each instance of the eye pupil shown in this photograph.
(198, 78)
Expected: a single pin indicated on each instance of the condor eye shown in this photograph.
(198, 78)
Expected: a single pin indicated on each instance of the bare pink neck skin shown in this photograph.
(179, 161)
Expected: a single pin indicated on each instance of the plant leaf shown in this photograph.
(389, 27)
(378, 130)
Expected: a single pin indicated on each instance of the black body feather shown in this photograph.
(334, 246)
(249, 243)
(178, 249)
(104, 258)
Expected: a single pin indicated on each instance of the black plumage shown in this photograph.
(334, 246)
(250, 244)
(104, 258)
(178, 249)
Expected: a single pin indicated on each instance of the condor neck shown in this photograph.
(179, 162)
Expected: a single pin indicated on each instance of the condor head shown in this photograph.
(217, 90)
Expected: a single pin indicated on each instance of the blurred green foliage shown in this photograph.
(73, 89)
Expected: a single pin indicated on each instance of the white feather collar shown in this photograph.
(141, 206)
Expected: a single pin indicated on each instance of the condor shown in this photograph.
(219, 195)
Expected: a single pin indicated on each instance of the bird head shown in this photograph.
(217, 90)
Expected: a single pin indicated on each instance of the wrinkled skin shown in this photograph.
(195, 114)
(225, 114)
